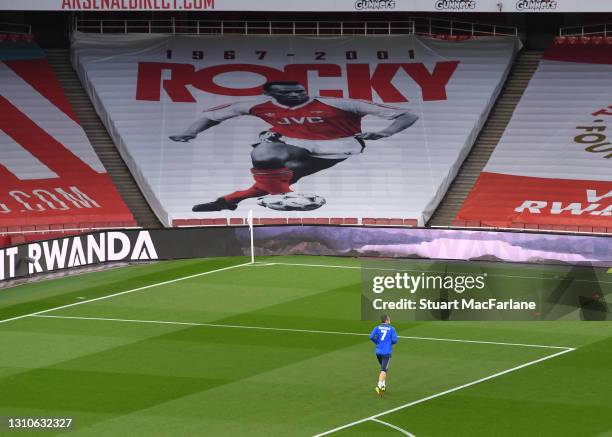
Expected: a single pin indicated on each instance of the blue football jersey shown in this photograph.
(384, 336)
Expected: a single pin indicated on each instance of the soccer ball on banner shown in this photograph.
(292, 202)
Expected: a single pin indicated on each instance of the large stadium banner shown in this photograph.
(49, 172)
(553, 165)
(358, 126)
(312, 5)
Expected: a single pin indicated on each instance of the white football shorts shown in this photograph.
(340, 148)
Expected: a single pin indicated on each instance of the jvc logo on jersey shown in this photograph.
(300, 120)
(362, 80)
(536, 5)
(362, 5)
(443, 5)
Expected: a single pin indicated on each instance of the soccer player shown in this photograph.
(384, 336)
(307, 135)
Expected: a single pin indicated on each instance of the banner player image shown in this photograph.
(307, 135)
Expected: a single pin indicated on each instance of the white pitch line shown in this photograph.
(335, 266)
(395, 427)
(122, 293)
(445, 392)
(309, 331)
(491, 342)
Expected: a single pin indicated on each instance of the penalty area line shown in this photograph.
(122, 293)
(442, 393)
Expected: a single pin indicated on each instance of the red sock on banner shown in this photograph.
(267, 181)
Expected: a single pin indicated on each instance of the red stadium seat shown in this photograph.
(187, 222)
(273, 221)
(544, 227)
(17, 239)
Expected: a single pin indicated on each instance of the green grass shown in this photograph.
(129, 378)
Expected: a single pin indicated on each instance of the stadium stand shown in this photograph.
(551, 168)
(59, 59)
(522, 71)
(52, 181)
(397, 181)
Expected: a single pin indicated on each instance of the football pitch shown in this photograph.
(219, 346)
